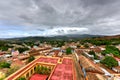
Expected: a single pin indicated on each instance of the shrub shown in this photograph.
(42, 70)
(11, 70)
(31, 58)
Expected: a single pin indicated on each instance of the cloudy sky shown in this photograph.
(20, 18)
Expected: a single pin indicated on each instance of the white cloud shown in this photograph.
(42, 17)
(66, 30)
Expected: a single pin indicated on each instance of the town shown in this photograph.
(59, 39)
(87, 59)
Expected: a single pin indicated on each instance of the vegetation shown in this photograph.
(31, 58)
(3, 48)
(29, 43)
(11, 70)
(21, 78)
(78, 46)
(69, 51)
(102, 41)
(4, 64)
(86, 45)
(93, 53)
(57, 43)
(1, 78)
(42, 70)
(113, 50)
(21, 50)
(109, 62)
(4, 45)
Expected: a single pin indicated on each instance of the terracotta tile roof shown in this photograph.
(56, 52)
(97, 49)
(15, 74)
(118, 67)
(89, 65)
(79, 52)
(95, 76)
(48, 60)
(17, 62)
(117, 59)
(1, 53)
(62, 71)
(23, 57)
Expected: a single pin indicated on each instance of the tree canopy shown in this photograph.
(93, 53)
(109, 62)
(31, 58)
(21, 50)
(111, 49)
(69, 51)
(21, 78)
(4, 65)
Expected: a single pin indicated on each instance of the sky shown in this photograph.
(22, 18)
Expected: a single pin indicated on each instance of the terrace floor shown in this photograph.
(38, 77)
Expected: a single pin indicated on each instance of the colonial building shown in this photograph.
(60, 69)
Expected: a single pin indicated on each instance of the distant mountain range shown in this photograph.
(63, 37)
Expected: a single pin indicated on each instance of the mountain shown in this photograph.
(60, 37)
(109, 37)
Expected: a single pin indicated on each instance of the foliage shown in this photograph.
(109, 62)
(3, 48)
(58, 43)
(103, 41)
(30, 43)
(21, 78)
(86, 45)
(111, 49)
(4, 45)
(1, 78)
(31, 58)
(21, 50)
(4, 64)
(69, 51)
(11, 70)
(78, 46)
(42, 70)
(93, 53)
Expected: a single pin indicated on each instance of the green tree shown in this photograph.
(21, 50)
(31, 58)
(93, 53)
(4, 65)
(78, 46)
(86, 45)
(21, 78)
(4, 48)
(111, 49)
(69, 51)
(109, 62)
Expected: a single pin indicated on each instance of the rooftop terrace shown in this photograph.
(63, 69)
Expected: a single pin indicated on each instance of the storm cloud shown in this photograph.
(59, 17)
